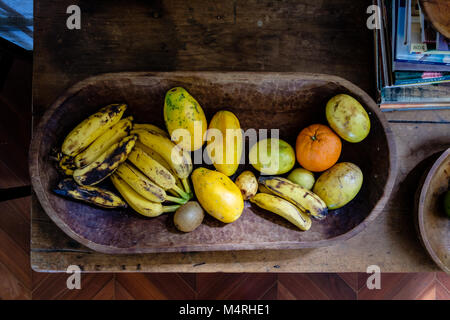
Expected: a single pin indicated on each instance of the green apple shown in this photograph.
(302, 177)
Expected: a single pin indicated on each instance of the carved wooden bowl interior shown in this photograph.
(433, 223)
(287, 101)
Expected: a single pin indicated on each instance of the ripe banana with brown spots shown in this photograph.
(178, 159)
(66, 165)
(92, 128)
(106, 164)
(111, 136)
(154, 170)
(143, 185)
(150, 127)
(263, 189)
(282, 208)
(155, 155)
(139, 203)
(93, 195)
(307, 201)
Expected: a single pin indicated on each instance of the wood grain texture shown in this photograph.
(403, 286)
(11, 288)
(294, 100)
(15, 221)
(444, 279)
(107, 292)
(156, 286)
(307, 36)
(15, 215)
(130, 286)
(351, 279)
(432, 222)
(314, 286)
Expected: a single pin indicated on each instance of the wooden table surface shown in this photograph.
(306, 35)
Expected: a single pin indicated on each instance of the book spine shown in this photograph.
(422, 81)
(416, 94)
(423, 62)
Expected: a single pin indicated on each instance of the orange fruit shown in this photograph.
(317, 148)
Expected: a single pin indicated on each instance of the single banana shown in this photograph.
(92, 128)
(155, 155)
(150, 127)
(66, 165)
(113, 135)
(106, 164)
(93, 195)
(179, 160)
(143, 185)
(139, 203)
(155, 171)
(304, 199)
(282, 208)
(263, 189)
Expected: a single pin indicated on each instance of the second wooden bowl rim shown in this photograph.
(420, 219)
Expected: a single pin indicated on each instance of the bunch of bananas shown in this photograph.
(289, 200)
(140, 159)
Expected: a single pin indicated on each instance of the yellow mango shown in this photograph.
(339, 185)
(217, 194)
(225, 142)
(348, 118)
(182, 111)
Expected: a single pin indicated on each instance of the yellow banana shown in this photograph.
(304, 199)
(113, 135)
(93, 195)
(143, 185)
(155, 155)
(179, 160)
(282, 208)
(66, 165)
(139, 203)
(154, 170)
(106, 164)
(263, 189)
(150, 127)
(92, 128)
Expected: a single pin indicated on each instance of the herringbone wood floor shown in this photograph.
(18, 281)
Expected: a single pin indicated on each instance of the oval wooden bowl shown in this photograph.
(288, 101)
(432, 222)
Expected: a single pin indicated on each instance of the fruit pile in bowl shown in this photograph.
(150, 167)
(201, 202)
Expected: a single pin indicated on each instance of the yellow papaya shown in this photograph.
(182, 111)
(217, 194)
(225, 142)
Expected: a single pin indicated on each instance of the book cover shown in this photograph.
(401, 44)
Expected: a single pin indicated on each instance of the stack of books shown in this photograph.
(412, 59)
